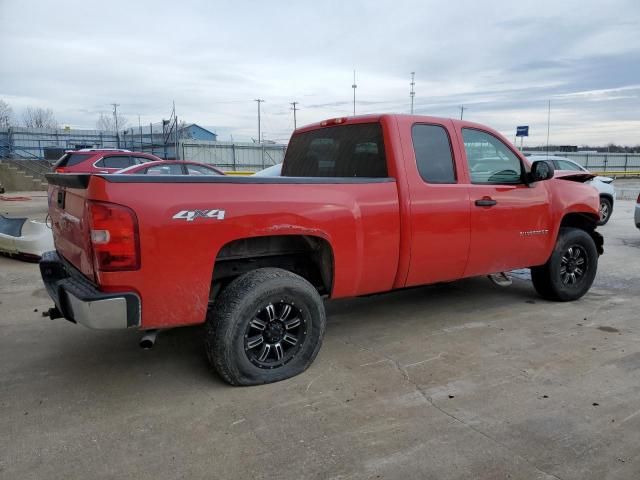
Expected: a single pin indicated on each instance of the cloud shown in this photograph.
(502, 60)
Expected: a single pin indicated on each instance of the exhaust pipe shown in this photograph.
(148, 340)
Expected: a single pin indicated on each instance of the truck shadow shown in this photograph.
(98, 359)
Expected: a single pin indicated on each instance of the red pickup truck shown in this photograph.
(365, 204)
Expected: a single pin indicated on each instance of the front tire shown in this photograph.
(571, 269)
(606, 209)
(266, 326)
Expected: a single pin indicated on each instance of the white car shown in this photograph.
(602, 184)
(272, 171)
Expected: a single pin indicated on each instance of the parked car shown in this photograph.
(272, 171)
(636, 216)
(364, 205)
(172, 167)
(602, 184)
(100, 160)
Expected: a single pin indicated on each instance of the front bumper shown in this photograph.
(79, 301)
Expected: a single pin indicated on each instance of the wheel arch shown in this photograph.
(587, 222)
(309, 256)
(608, 196)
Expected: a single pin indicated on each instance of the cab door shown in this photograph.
(510, 220)
(439, 199)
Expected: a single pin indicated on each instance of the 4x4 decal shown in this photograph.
(191, 215)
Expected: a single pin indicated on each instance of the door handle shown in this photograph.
(486, 202)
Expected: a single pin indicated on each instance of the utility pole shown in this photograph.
(295, 125)
(354, 86)
(115, 120)
(412, 93)
(259, 101)
(115, 114)
(462, 109)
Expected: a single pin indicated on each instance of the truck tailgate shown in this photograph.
(67, 208)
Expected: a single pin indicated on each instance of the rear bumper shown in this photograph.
(81, 302)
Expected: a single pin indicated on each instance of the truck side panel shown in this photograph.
(360, 221)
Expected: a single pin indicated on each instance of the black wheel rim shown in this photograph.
(573, 265)
(604, 211)
(275, 334)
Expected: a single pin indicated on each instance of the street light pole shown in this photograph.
(354, 86)
(412, 93)
(259, 100)
(295, 125)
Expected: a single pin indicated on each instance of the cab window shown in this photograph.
(490, 160)
(433, 153)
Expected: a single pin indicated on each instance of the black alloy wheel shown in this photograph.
(274, 336)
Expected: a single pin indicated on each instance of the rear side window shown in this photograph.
(171, 169)
(114, 162)
(433, 153)
(200, 170)
(139, 160)
(71, 159)
(340, 151)
(564, 165)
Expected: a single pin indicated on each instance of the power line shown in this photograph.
(412, 93)
(295, 125)
(259, 101)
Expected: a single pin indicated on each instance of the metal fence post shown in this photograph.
(233, 152)
(626, 162)
(606, 160)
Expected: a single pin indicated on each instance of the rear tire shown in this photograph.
(606, 209)
(571, 268)
(266, 326)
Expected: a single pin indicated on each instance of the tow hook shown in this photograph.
(500, 279)
(148, 340)
(52, 313)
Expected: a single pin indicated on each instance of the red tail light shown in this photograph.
(60, 170)
(114, 237)
(638, 200)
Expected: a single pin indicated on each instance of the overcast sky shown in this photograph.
(502, 60)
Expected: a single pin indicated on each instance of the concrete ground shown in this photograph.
(458, 381)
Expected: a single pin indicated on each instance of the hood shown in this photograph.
(573, 176)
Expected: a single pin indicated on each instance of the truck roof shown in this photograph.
(376, 117)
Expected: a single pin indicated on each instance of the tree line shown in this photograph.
(38, 117)
(609, 148)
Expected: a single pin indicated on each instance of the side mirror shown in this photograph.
(541, 170)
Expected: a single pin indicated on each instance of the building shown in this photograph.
(196, 132)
